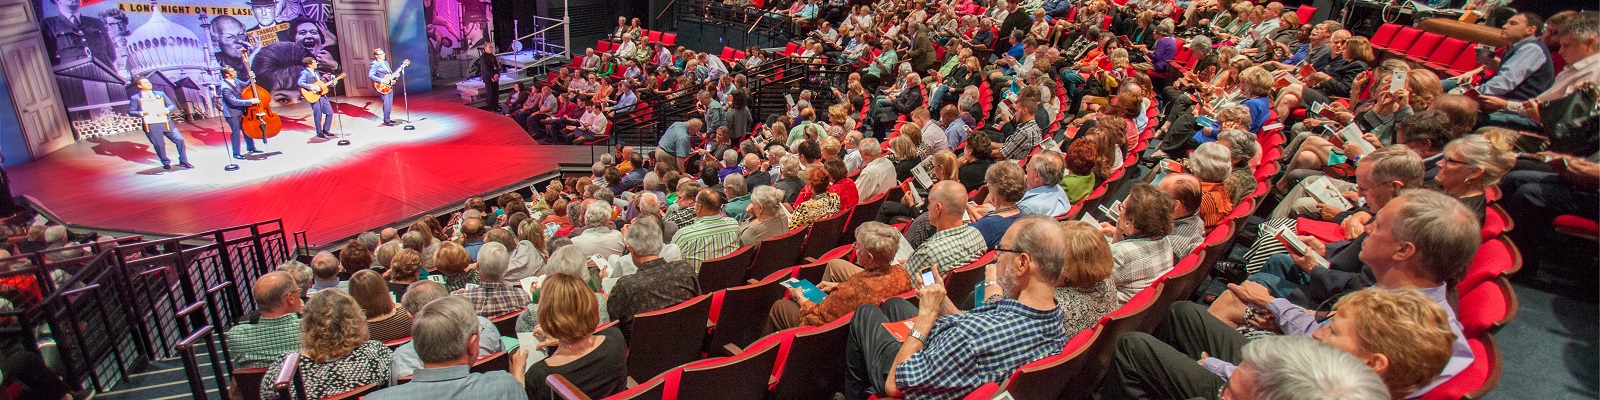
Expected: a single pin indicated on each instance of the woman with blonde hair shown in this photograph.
(1087, 294)
(595, 362)
(335, 354)
(1473, 164)
(385, 322)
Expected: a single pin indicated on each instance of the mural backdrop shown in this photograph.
(97, 47)
(456, 32)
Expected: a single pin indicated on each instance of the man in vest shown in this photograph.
(1525, 67)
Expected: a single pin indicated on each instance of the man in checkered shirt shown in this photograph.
(493, 297)
(948, 353)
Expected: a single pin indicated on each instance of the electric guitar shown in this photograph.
(386, 84)
(322, 89)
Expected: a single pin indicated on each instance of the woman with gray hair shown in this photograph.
(875, 279)
(1244, 153)
(1210, 163)
(790, 181)
(568, 260)
(767, 216)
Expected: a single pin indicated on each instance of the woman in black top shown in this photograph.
(595, 362)
(976, 160)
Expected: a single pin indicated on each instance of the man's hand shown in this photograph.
(1251, 293)
(1530, 108)
(827, 287)
(1329, 212)
(1487, 103)
(1355, 225)
(932, 299)
(1261, 319)
(798, 296)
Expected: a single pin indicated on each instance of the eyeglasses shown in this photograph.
(1372, 186)
(1325, 311)
(1453, 161)
(1006, 250)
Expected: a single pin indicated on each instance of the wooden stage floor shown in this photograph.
(386, 176)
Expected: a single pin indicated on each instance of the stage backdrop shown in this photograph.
(456, 31)
(97, 47)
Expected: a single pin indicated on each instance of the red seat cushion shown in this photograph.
(1573, 224)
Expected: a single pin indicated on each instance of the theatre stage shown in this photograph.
(387, 175)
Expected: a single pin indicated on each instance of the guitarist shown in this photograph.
(234, 110)
(379, 73)
(322, 109)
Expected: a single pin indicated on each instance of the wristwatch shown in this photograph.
(918, 336)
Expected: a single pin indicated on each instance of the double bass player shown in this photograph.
(234, 110)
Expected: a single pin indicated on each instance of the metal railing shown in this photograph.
(111, 308)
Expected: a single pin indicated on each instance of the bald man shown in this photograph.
(955, 243)
(325, 273)
(1188, 230)
(277, 331)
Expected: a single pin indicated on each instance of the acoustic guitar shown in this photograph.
(386, 84)
(322, 89)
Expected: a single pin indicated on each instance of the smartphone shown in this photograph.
(1397, 81)
(928, 277)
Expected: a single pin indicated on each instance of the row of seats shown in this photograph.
(1439, 52)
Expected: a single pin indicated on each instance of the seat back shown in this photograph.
(1448, 49)
(653, 36)
(1305, 13)
(815, 360)
(654, 389)
(1478, 379)
(744, 311)
(1424, 46)
(960, 283)
(667, 338)
(777, 253)
(499, 361)
(1466, 61)
(727, 52)
(824, 235)
(1404, 39)
(1048, 377)
(1495, 258)
(1487, 307)
(248, 382)
(726, 271)
(507, 324)
(1125, 319)
(866, 211)
(1180, 283)
(1385, 35)
(669, 39)
(1216, 245)
(814, 271)
(743, 376)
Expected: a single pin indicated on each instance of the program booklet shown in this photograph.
(812, 293)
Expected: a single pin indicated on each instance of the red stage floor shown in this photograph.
(332, 192)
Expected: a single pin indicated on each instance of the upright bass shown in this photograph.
(259, 121)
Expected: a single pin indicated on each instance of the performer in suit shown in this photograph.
(377, 72)
(489, 71)
(155, 132)
(322, 109)
(233, 110)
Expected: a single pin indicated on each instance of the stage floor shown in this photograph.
(387, 175)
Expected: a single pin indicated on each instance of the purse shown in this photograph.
(1571, 122)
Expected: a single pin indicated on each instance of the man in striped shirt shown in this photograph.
(948, 353)
(711, 234)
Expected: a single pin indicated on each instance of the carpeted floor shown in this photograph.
(1550, 349)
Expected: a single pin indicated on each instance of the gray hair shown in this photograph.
(598, 169)
(297, 270)
(1048, 164)
(1200, 44)
(1444, 231)
(1210, 162)
(734, 185)
(1045, 240)
(325, 265)
(870, 147)
(1301, 368)
(493, 260)
(415, 240)
(789, 166)
(645, 236)
(769, 199)
(751, 161)
(648, 203)
(569, 260)
(422, 292)
(607, 159)
(596, 214)
(1583, 29)
(1165, 27)
(1396, 163)
(369, 239)
(651, 181)
(56, 233)
(730, 157)
(441, 329)
(879, 240)
(1241, 144)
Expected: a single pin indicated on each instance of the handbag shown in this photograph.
(1571, 122)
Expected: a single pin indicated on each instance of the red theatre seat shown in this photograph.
(1305, 13)
(1404, 39)
(1385, 35)
(1423, 47)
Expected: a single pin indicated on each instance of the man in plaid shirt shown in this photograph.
(493, 297)
(947, 354)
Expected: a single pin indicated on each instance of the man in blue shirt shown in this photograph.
(1044, 177)
(948, 353)
(233, 111)
(446, 338)
(674, 144)
(1525, 70)
(322, 109)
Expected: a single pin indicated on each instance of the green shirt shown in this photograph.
(260, 344)
(1077, 186)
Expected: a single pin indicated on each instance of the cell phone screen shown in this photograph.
(927, 277)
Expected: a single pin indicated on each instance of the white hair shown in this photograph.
(568, 260)
(879, 240)
(870, 147)
(767, 198)
(645, 236)
(55, 234)
(596, 214)
(493, 260)
(789, 166)
(1300, 368)
(1210, 162)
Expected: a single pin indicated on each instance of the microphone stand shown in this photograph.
(405, 97)
(343, 140)
(228, 130)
